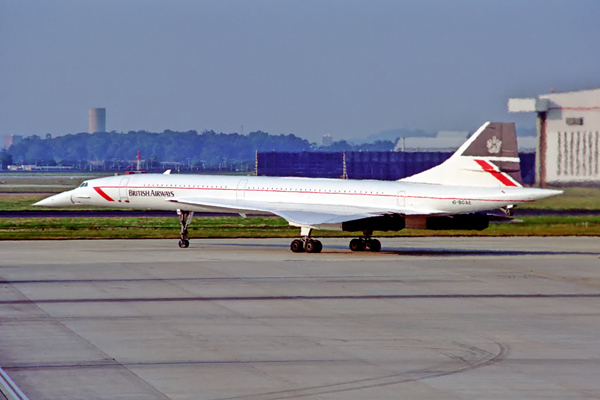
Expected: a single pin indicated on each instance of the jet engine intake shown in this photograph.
(471, 222)
(384, 223)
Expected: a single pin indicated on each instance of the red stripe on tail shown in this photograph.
(101, 193)
(487, 167)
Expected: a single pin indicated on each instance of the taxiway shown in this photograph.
(447, 318)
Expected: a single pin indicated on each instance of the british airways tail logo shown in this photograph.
(494, 145)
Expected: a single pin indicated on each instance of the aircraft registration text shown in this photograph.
(462, 202)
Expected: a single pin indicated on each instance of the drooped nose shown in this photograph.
(58, 200)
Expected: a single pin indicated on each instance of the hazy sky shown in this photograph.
(345, 68)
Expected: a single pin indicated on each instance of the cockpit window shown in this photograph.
(84, 184)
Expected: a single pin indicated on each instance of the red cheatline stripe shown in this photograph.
(324, 193)
(487, 167)
(101, 193)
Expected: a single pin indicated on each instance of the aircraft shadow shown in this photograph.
(426, 251)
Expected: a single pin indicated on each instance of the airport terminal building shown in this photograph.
(568, 126)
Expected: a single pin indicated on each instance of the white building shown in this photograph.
(568, 137)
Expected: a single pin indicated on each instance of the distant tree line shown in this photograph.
(206, 150)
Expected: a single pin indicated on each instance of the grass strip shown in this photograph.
(574, 198)
(260, 227)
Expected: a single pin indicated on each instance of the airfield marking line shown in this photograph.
(9, 388)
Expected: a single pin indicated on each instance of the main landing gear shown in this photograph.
(365, 243)
(185, 219)
(306, 244)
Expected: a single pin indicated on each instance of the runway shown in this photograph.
(441, 318)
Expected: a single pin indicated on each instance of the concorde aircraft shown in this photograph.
(483, 174)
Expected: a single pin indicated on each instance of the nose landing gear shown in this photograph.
(365, 243)
(185, 219)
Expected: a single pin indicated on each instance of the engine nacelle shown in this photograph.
(383, 223)
(472, 222)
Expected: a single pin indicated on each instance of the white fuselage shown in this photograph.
(153, 191)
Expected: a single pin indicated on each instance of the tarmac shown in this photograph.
(427, 318)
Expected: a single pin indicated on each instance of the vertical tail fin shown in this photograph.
(489, 158)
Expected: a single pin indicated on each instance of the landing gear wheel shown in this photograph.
(356, 245)
(313, 246)
(372, 245)
(185, 219)
(319, 246)
(297, 246)
(376, 246)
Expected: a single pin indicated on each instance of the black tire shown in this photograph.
(297, 246)
(319, 246)
(356, 245)
(184, 243)
(373, 245)
(310, 246)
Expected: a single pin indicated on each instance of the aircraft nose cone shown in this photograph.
(58, 200)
